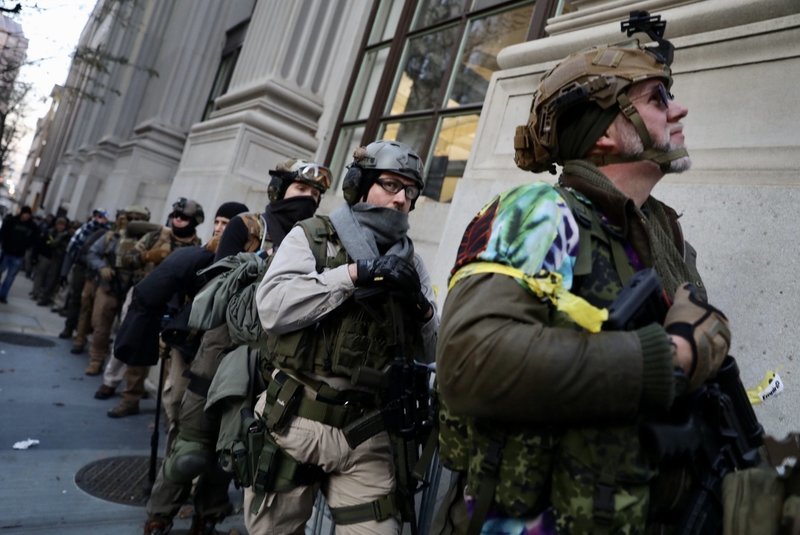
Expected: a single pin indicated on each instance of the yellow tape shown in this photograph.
(544, 285)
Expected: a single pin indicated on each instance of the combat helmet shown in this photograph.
(191, 209)
(383, 155)
(139, 212)
(297, 170)
(599, 75)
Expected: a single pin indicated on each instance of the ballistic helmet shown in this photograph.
(583, 93)
(370, 161)
(141, 213)
(296, 170)
(191, 209)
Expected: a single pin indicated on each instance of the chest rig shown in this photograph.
(596, 479)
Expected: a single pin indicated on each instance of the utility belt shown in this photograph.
(259, 462)
(352, 411)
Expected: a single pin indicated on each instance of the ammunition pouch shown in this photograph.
(257, 461)
(349, 411)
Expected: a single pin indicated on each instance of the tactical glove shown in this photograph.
(704, 327)
(389, 271)
(155, 256)
(106, 273)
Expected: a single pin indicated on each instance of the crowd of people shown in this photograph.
(296, 349)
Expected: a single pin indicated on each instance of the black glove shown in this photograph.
(390, 271)
(420, 306)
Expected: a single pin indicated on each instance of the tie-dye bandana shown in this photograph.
(529, 228)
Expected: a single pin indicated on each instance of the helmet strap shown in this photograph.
(660, 157)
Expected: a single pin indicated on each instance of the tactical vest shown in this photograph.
(357, 340)
(596, 479)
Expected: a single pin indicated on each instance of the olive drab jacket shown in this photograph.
(517, 376)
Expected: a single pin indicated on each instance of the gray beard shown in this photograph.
(631, 147)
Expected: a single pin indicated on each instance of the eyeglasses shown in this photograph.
(182, 217)
(394, 186)
(316, 175)
(660, 92)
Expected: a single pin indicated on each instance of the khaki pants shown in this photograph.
(104, 312)
(354, 476)
(84, 324)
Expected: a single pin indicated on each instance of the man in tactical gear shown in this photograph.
(80, 296)
(111, 285)
(294, 191)
(540, 409)
(146, 254)
(344, 299)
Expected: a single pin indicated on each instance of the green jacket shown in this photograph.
(565, 403)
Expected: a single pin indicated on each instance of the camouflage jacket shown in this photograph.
(562, 404)
(152, 248)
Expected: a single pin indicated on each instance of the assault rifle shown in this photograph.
(406, 409)
(711, 432)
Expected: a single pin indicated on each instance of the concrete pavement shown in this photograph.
(45, 396)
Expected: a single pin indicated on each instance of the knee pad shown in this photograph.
(187, 460)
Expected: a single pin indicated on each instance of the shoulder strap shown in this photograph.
(319, 231)
(588, 224)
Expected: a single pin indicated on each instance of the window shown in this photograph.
(422, 76)
(230, 54)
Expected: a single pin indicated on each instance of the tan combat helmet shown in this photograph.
(296, 170)
(599, 75)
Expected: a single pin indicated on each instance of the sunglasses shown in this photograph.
(182, 217)
(394, 186)
(316, 175)
(660, 92)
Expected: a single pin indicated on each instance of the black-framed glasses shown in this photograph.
(393, 186)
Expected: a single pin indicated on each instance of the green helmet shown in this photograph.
(601, 76)
(383, 155)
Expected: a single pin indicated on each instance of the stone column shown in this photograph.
(294, 59)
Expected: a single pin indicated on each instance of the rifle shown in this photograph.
(713, 431)
(406, 408)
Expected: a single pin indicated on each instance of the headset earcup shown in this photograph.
(275, 189)
(351, 185)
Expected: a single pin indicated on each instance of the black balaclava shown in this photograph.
(283, 214)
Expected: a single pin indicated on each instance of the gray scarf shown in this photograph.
(368, 231)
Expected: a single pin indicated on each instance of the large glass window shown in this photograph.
(230, 55)
(422, 77)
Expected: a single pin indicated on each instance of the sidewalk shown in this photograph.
(46, 396)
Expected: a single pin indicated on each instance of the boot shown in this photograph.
(157, 526)
(65, 334)
(77, 350)
(123, 409)
(94, 368)
(202, 525)
(104, 392)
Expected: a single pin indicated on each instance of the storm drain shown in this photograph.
(122, 480)
(27, 340)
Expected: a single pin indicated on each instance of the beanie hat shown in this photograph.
(230, 209)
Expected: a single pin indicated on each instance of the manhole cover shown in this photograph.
(117, 479)
(19, 339)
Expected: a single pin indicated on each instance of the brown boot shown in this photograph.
(94, 368)
(123, 409)
(104, 392)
